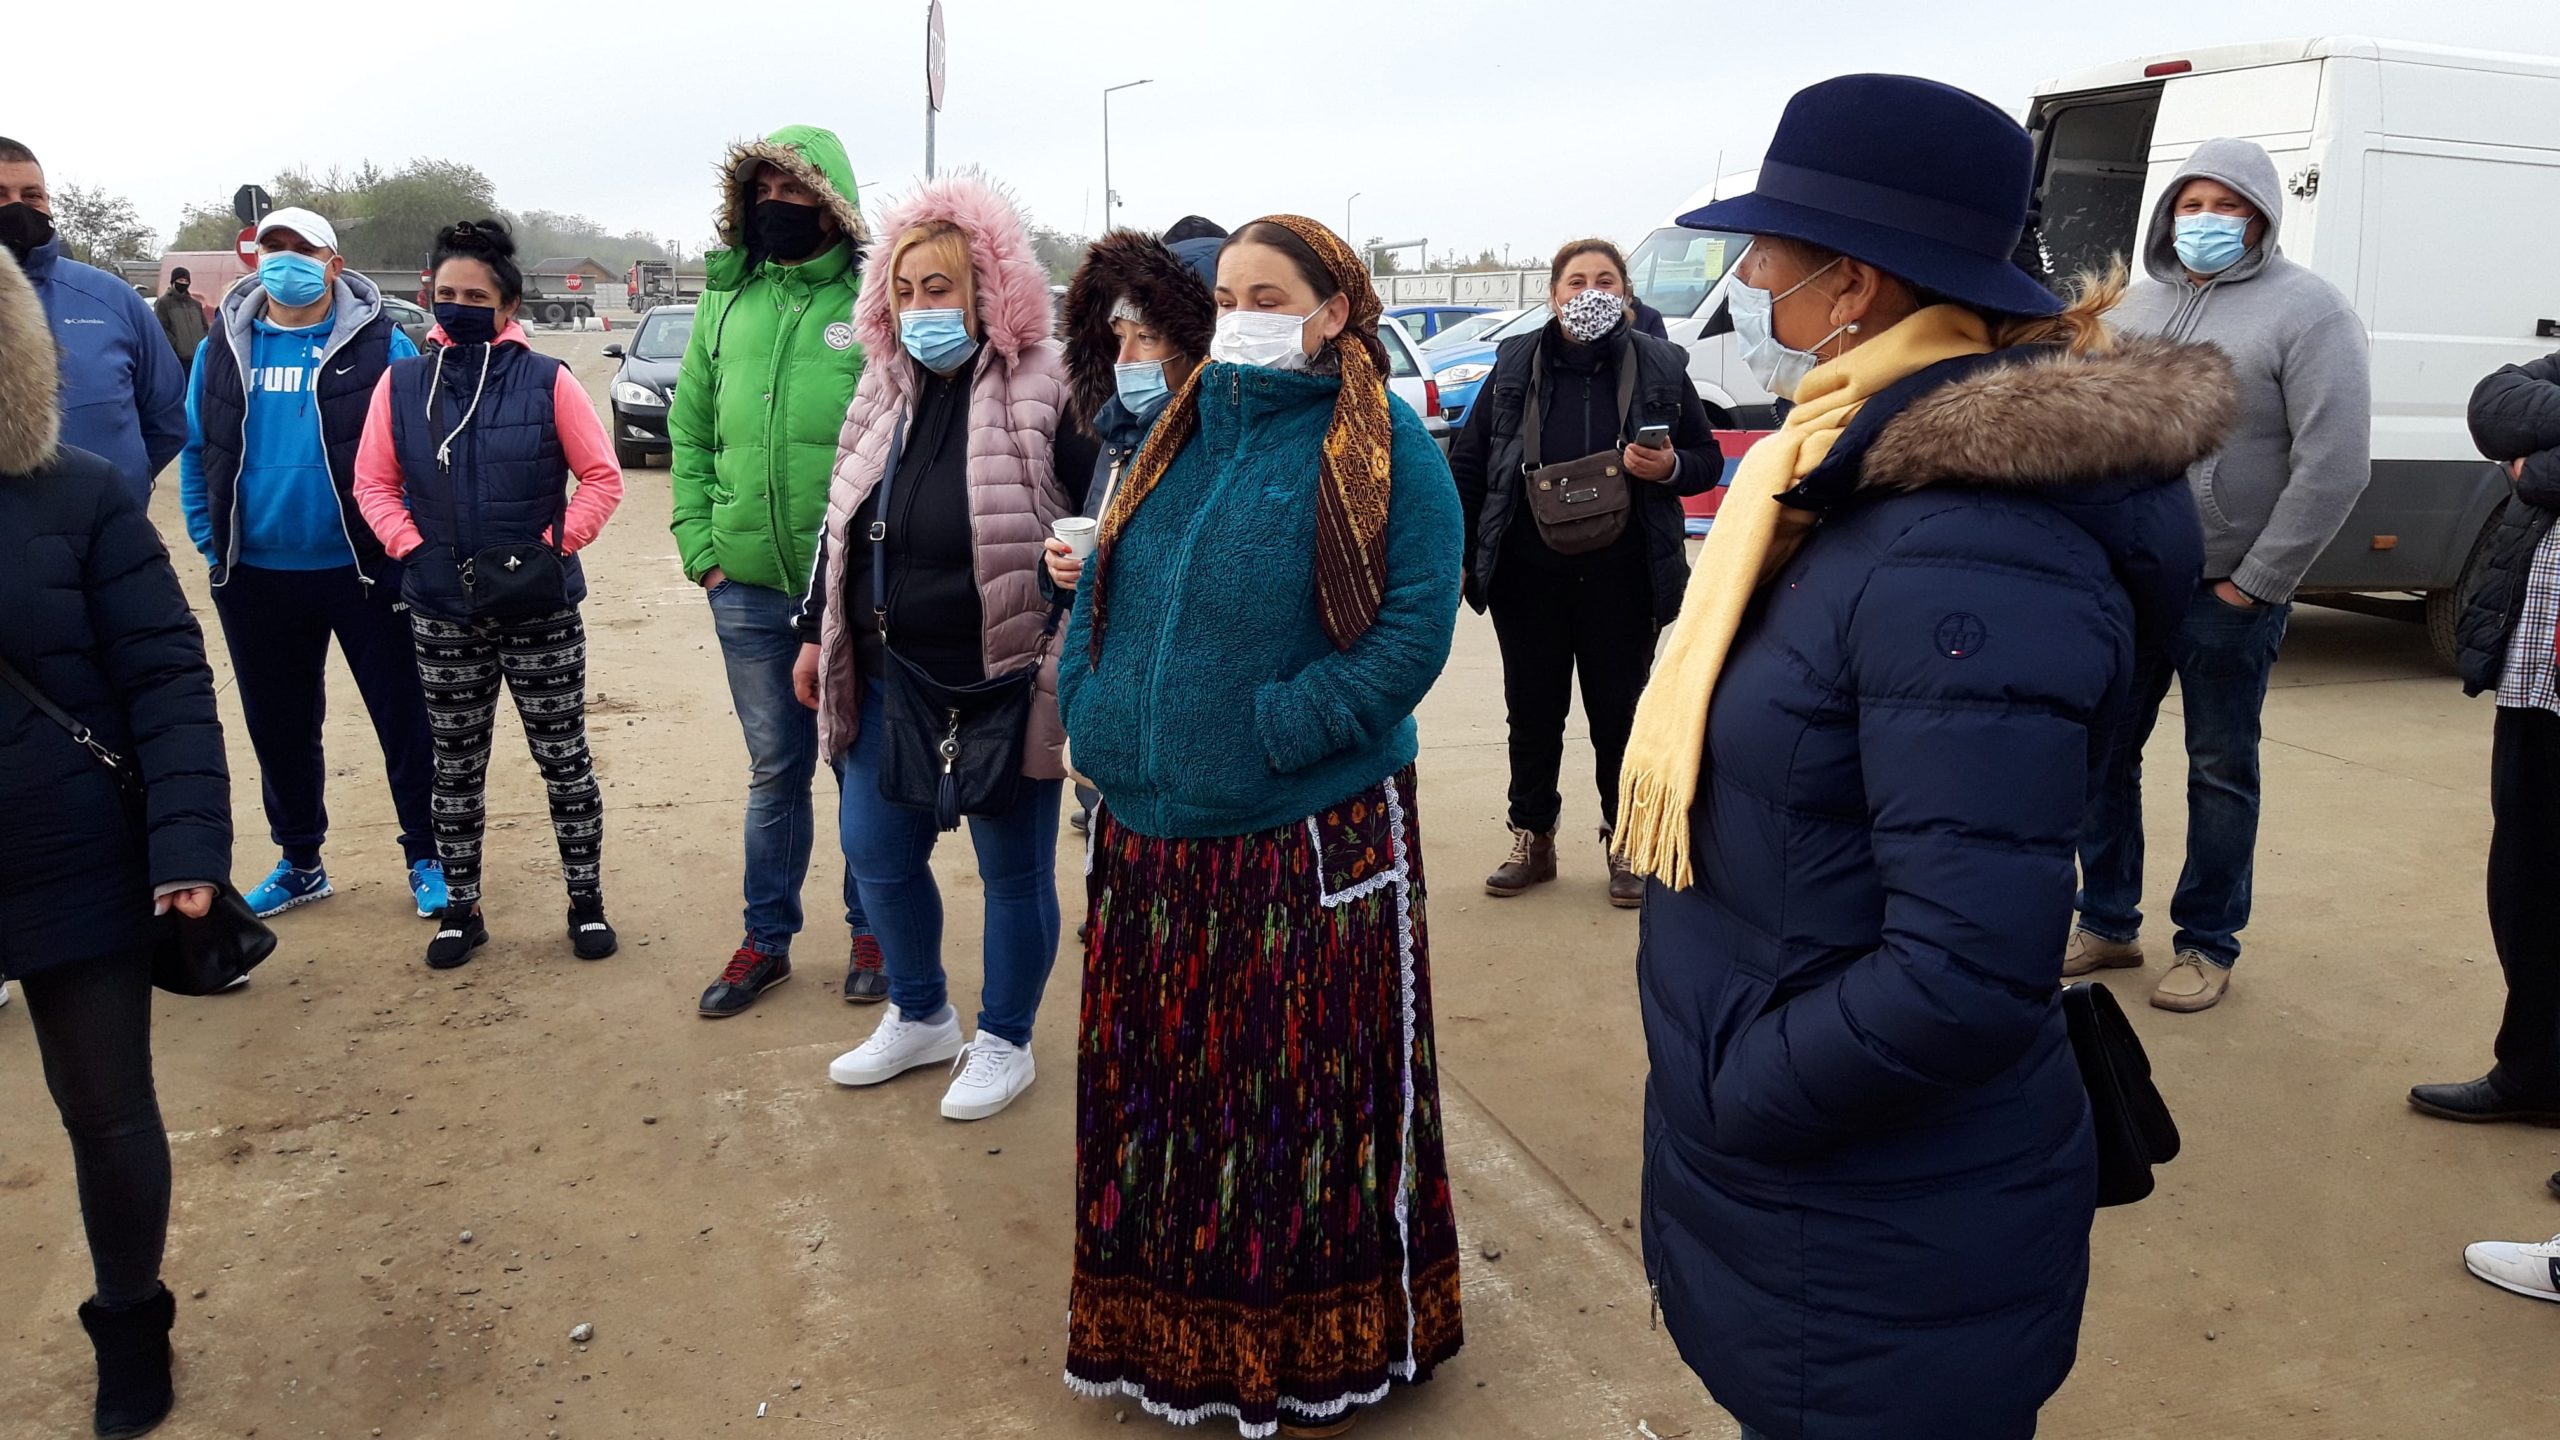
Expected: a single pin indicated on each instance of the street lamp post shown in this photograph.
(1346, 213)
(1109, 199)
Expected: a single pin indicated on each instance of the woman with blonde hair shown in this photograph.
(950, 471)
(1263, 1222)
(1858, 775)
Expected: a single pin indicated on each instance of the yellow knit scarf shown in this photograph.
(1752, 538)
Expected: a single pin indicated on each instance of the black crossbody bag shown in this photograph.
(188, 957)
(944, 749)
(518, 580)
(1580, 505)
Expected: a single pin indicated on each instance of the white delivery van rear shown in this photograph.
(2422, 181)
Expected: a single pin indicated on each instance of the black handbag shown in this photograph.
(2133, 1125)
(1579, 505)
(950, 750)
(188, 956)
(518, 580)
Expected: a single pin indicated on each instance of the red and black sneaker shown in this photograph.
(751, 972)
(866, 982)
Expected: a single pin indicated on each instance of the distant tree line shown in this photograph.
(388, 219)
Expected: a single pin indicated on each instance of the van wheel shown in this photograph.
(2444, 607)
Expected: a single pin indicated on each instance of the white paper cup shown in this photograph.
(1079, 533)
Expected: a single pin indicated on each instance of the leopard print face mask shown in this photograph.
(1591, 315)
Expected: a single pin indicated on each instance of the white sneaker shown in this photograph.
(898, 1046)
(2529, 1270)
(4, 992)
(993, 1070)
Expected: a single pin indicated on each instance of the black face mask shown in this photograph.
(24, 229)
(785, 230)
(467, 324)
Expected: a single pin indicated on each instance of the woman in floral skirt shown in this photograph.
(1263, 1217)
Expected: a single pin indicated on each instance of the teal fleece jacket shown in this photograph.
(1218, 706)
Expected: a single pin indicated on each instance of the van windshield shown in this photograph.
(2096, 151)
(1675, 267)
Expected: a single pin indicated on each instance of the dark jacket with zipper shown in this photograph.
(506, 480)
(95, 623)
(1869, 1175)
(1578, 416)
(2515, 414)
(358, 350)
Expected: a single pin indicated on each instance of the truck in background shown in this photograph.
(652, 283)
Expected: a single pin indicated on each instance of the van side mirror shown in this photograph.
(613, 352)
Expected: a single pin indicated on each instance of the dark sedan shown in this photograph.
(646, 384)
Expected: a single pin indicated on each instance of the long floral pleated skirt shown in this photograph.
(1263, 1225)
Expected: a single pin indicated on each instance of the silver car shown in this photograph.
(1412, 383)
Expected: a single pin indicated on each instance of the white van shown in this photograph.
(2422, 181)
(1681, 273)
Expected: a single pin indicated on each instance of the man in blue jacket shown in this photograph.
(122, 386)
(275, 409)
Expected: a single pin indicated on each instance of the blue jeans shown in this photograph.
(758, 646)
(889, 850)
(2220, 655)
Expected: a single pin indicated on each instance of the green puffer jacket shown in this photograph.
(766, 379)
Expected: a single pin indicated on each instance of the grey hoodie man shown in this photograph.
(2301, 447)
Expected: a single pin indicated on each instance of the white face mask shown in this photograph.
(1778, 368)
(1259, 337)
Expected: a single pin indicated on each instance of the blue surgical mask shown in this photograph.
(1142, 387)
(2211, 244)
(939, 339)
(292, 278)
(1778, 367)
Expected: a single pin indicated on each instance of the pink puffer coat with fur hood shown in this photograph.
(1017, 398)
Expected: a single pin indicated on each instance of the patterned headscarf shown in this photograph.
(1354, 461)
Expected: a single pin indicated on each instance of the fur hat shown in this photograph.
(1136, 267)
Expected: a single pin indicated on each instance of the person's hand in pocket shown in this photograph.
(2235, 597)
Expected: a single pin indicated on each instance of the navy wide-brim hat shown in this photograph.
(1921, 180)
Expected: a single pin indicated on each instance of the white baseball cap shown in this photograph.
(301, 222)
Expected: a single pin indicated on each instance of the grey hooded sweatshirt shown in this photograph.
(2301, 444)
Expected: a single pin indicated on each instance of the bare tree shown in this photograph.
(101, 229)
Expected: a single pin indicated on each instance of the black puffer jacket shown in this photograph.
(2515, 414)
(95, 621)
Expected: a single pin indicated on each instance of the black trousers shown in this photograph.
(1550, 626)
(278, 624)
(92, 1022)
(2524, 896)
(542, 661)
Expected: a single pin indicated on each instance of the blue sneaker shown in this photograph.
(426, 882)
(286, 888)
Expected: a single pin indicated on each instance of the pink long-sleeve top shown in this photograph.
(381, 497)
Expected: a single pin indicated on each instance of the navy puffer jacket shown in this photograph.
(96, 622)
(2514, 415)
(507, 480)
(1868, 1170)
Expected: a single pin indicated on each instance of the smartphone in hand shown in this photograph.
(1654, 437)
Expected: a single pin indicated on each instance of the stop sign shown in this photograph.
(247, 246)
(577, 283)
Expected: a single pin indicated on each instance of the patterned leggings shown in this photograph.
(544, 662)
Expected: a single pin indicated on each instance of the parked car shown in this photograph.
(646, 384)
(1472, 328)
(1423, 322)
(1412, 383)
(1461, 368)
(413, 322)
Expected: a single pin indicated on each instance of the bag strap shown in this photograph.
(880, 531)
(80, 734)
(1532, 446)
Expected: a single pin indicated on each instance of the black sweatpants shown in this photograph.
(92, 1022)
(278, 624)
(543, 662)
(2524, 896)
(1550, 625)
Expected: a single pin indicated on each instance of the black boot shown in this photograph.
(457, 935)
(134, 1393)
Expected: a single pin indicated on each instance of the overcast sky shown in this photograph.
(1509, 122)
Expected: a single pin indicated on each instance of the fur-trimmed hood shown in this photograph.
(1169, 284)
(2045, 419)
(808, 154)
(30, 377)
(1012, 285)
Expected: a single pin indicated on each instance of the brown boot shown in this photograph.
(1532, 862)
(1624, 885)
